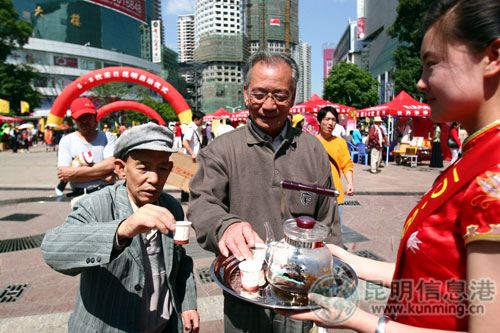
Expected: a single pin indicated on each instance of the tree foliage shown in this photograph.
(347, 84)
(407, 28)
(116, 91)
(15, 80)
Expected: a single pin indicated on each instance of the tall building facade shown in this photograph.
(328, 50)
(72, 38)
(220, 49)
(303, 92)
(185, 37)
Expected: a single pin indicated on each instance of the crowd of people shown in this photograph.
(134, 278)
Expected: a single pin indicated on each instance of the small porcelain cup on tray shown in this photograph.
(181, 235)
(250, 272)
(259, 254)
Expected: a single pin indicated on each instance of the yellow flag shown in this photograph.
(25, 107)
(4, 106)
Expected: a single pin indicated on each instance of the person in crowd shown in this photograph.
(119, 239)
(87, 138)
(338, 130)
(14, 132)
(455, 148)
(383, 127)
(348, 137)
(298, 121)
(224, 128)
(356, 135)
(447, 264)
(192, 137)
(338, 154)
(376, 143)
(210, 133)
(192, 142)
(49, 139)
(178, 136)
(184, 127)
(437, 155)
(405, 131)
(237, 186)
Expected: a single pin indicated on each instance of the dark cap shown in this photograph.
(81, 106)
(145, 137)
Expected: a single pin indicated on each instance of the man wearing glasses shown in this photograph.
(237, 187)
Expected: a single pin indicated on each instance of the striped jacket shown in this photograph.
(111, 282)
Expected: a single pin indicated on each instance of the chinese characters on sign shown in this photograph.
(75, 20)
(132, 8)
(156, 40)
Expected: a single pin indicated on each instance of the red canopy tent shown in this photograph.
(313, 104)
(7, 119)
(403, 105)
(241, 115)
(221, 113)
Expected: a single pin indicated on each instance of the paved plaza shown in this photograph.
(34, 298)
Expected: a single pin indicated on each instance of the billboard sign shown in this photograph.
(134, 8)
(156, 40)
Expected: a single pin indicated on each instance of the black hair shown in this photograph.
(197, 115)
(324, 110)
(475, 23)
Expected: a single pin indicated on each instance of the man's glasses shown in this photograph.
(260, 98)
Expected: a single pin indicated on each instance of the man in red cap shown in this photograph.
(92, 173)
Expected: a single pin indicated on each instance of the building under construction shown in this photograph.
(226, 32)
(273, 25)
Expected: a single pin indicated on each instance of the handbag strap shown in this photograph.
(335, 164)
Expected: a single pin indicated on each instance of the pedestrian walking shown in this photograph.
(376, 143)
(437, 155)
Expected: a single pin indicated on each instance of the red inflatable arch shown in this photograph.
(129, 105)
(115, 74)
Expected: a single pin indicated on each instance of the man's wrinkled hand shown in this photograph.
(146, 218)
(191, 320)
(237, 239)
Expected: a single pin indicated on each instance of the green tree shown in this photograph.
(347, 84)
(15, 80)
(114, 91)
(407, 29)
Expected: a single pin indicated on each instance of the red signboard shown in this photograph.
(274, 21)
(133, 8)
(66, 62)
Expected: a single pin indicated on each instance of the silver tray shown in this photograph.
(226, 274)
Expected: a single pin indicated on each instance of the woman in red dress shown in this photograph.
(447, 274)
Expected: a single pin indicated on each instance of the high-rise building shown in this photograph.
(72, 38)
(185, 37)
(303, 92)
(328, 50)
(221, 49)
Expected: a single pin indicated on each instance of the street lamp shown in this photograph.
(234, 108)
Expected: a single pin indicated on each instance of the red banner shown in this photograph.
(274, 21)
(66, 62)
(133, 8)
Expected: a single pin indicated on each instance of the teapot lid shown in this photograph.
(303, 231)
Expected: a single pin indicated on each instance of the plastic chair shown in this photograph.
(362, 154)
(353, 151)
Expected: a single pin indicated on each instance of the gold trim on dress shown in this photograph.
(473, 235)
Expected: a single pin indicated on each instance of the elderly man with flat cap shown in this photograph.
(133, 278)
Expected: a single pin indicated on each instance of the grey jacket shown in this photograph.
(111, 282)
(239, 180)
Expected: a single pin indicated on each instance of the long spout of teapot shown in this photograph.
(269, 233)
(315, 189)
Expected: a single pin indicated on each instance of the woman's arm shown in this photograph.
(366, 269)
(483, 279)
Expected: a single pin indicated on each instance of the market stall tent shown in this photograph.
(313, 104)
(221, 113)
(403, 105)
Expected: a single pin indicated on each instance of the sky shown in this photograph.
(320, 22)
